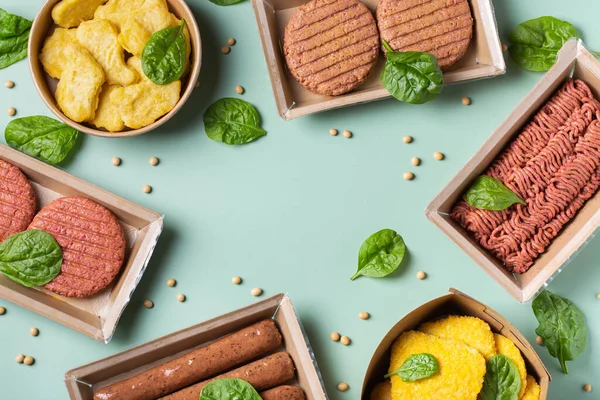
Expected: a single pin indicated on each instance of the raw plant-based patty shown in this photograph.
(441, 27)
(331, 46)
(17, 201)
(554, 166)
(92, 241)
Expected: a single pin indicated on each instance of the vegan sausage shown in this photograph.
(285, 392)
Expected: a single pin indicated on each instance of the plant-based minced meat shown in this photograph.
(17, 201)
(92, 241)
(443, 28)
(331, 46)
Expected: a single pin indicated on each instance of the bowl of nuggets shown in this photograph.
(115, 68)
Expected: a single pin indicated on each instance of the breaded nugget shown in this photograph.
(331, 46)
(460, 375)
(533, 390)
(472, 331)
(145, 102)
(151, 17)
(443, 28)
(59, 49)
(17, 201)
(78, 90)
(118, 11)
(71, 13)
(506, 347)
(382, 391)
(99, 37)
(108, 113)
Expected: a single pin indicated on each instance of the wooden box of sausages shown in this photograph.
(483, 57)
(455, 303)
(545, 152)
(95, 315)
(263, 344)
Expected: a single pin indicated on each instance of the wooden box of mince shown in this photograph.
(574, 61)
(454, 304)
(483, 57)
(95, 316)
(264, 344)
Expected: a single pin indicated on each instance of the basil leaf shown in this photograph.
(41, 137)
(502, 380)
(30, 258)
(488, 193)
(562, 326)
(14, 35)
(380, 255)
(164, 55)
(225, 2)
(232, 121)
(229, 389)
(535, 43)
(415, 367)
(412, 77)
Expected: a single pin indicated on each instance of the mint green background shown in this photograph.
(289, 212)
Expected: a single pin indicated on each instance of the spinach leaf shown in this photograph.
(535, 43)
(502, 380)
(14, 35)
(415, 367)
(380, 255)
(30, 258)
(42, 137)
(562, 326)
(164, 56)
(488, 193)
(412, 77)
(232, 121)
(229, 389)
(225, 2)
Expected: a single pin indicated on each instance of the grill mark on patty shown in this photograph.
(16, 209)
(340, 82)
(75, 221)
(448, 27)
(325, 22)
(99, 213)
(436, 43)
(418, 24)
(397, 10)
(17, 189)
(79, 230)
(343, 73)
(402, 18)
(338, 7)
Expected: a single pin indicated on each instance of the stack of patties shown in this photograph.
(461, 345)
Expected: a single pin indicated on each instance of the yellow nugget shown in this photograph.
(71, 13)
(78, 90)
(145, 102)
(118, 11)
(99, 37)
(108, 114)
(153, 16)
(460, 375)
(382, 391)
(506, 347)
(533, 390)
(472, 331)
(58, 49)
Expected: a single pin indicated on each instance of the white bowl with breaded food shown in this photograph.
(44, 26)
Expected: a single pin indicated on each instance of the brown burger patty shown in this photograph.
(92, 241)
(17, 201)
(331, 46)
(443, 28)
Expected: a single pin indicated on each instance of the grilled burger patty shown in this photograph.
(331, 46)
(92, 241)
(17, 201)
(443, 28)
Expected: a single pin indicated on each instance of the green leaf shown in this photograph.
(232, 121)
(380, 255)
(535, 43)
(229, 389)
(502, 380)
(164, 56)
(488, 193)
(416, 367)
(30, 258)
(225, 2)
(12, 25)
(412, 77)
(41, 137)
(561, 325)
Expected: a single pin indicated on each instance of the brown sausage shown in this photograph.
(285, 392)
(262, 374)
(197, 365)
